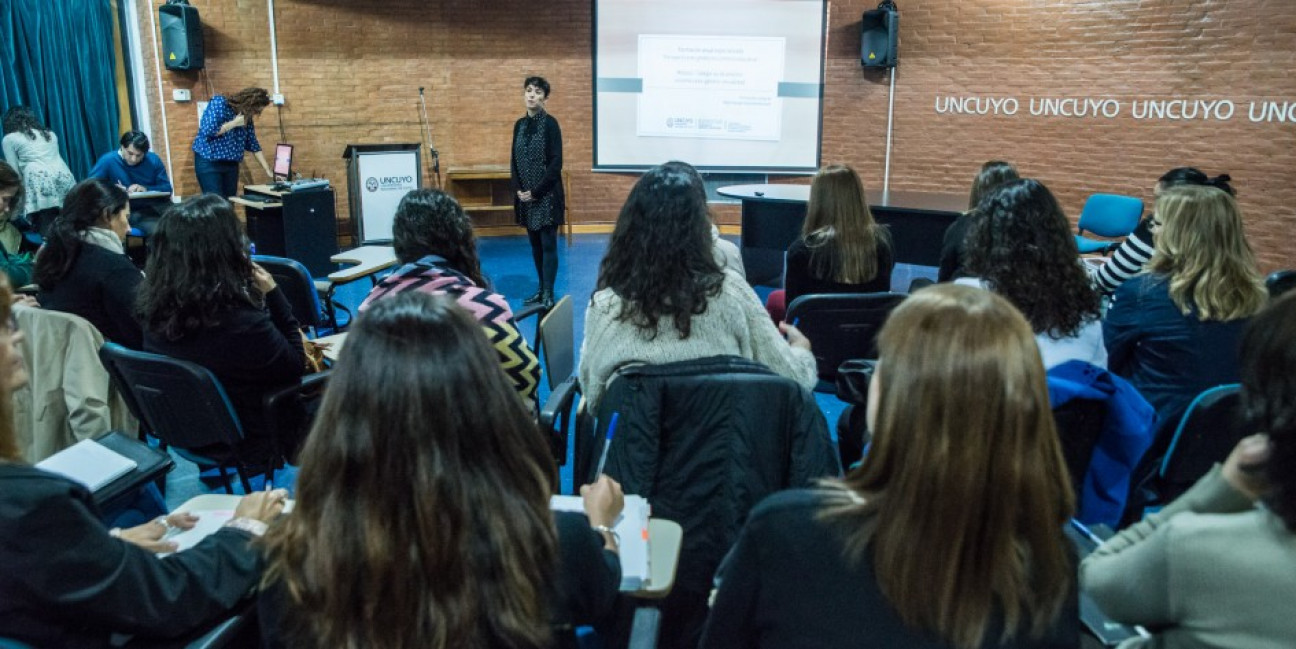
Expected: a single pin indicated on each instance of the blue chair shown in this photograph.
(1279, 282)
(1107, 215)
(1212, 425)
(299, 288)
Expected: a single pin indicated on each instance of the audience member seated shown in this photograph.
(136, 169)
(1022, 248)
(950, 532)
(1135, 251)
(423, 503)
(1174, 330)
(1213, 568)
(15, 250)
(203, 300)
(661, 297)
(841, 248)
(434, 242)
(69, 582)
(992, 174)
(83, 268)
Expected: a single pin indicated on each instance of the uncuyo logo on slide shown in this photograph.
(371, 184)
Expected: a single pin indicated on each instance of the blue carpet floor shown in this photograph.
(507, 261)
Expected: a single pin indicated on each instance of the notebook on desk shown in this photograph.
(89, 463)
(631, 527)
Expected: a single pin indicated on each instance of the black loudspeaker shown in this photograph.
(879, 36)
(182, 38)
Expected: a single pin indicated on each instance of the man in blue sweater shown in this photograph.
(136, 169)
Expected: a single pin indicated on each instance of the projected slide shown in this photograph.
(724, 85)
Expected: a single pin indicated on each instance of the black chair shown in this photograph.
(299, 288)
(1279, 282)
(1079, 425)
(557, 336)
(1207, 433)
(841, 327)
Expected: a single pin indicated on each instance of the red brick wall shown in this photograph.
(351, 72)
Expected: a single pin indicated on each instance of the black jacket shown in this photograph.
(704, 441)
(100, 287)
(67, 583)
(552, 181)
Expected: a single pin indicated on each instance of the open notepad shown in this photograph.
(632, 527)
(90, 463)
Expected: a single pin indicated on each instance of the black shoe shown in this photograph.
(546, 300)
(535, 299)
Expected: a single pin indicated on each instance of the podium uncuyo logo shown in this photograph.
(371, 184)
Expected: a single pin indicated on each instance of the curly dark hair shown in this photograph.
(1022, 247)
(248, 101)
(431, 222)
(85, 205)
(992, 174)
(659, 261)
(198, 267)
(1269, 398)
(21, 119)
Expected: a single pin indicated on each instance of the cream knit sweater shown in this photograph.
(734, 323)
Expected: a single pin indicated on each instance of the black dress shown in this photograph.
(536, 166)
(67, 583)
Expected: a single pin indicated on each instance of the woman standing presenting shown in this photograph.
(537, 182)
(225, 132)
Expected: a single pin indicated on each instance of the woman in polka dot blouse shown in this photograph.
(225, 132)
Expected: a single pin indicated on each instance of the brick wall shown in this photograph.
(351, 72)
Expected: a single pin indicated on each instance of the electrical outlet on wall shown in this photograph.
(277, 99)
(181, 94)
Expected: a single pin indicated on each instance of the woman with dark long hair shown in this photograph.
(1212, 568)
(953, 249)
(841, 248)
(225, 133)
(1021, 247)
(662, 297)
(423, 503)
(32, 149)
(70, 582)
(203, 300)
(950, 532)
(434, 243)
(536, 167)
(15, 251)
(1173, 330)
(83, 268)
(1136, 250)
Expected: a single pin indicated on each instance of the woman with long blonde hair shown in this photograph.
(950, 532)
(1174, 330)
(841, 248)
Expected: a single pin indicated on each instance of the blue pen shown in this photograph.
(796, 321)
(607, 443)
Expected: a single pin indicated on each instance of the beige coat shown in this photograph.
(68, 396)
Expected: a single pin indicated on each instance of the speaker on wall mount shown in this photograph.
(879, 36)
(182, 37)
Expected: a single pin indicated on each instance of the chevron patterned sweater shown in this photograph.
(430, 275)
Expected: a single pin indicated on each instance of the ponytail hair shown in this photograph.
(1194, 176)
(88, 203)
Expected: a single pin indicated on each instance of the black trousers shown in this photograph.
(544, 251)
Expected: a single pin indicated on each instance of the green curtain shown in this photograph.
(58, 57)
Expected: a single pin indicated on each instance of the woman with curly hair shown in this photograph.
(1173, 331)
(1212, 568)
(1021, 247)
(434, 243)
(662, 297)
(423, 504)
(204, 301)
(992, 174)
(33, 150)
(841, 248)
(225, 133)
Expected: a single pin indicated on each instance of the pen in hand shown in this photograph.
(607, 443)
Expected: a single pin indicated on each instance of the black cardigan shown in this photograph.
(552, 181)
(67, 583)
(100, 287)
(254, 353)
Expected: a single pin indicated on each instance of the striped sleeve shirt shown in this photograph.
(1128, 260)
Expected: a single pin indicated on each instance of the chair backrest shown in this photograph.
(1110, 215)
(1279, 282)
(182, 402)
(558, 342)
(1207, 432)
(1079, 426)
(842, 326)
(297, 286)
